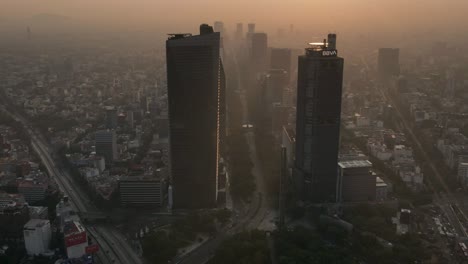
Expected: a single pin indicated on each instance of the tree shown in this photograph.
(248, 247)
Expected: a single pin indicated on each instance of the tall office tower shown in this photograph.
(251, 28)
(106, 144)
(248, 36)
(195, 80)
(219, 27)
(239, 31)
(280, 59)
(388, 63)
(270, 94)
(275, 83)
(319, 88)
(259, 51)
(111, 117)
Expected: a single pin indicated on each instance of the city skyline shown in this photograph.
(213, 132)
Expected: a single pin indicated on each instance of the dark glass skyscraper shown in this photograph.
(388, 63)
(195, 81)
(239, 31)
(319, 88)
(259, 51)
(280, 59)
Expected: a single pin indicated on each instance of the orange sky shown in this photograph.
(268, 14)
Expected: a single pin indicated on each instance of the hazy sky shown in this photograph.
(268, 14)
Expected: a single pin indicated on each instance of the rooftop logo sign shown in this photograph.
(329, 53)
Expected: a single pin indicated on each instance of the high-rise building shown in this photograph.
(319, 88)
(239, 31)
(280, 59)
(356, 183)
(251, 28)
(106, 145)
(248, 36)
(259, 51)
(195, 94)
(37, 236)
(388, 63)
(218, 26)
(273, 85)
(269, 97)
(111, 117)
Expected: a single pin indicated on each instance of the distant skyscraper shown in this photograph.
(280, 59)
(111, 117)
(388, 63)
(259, 51)
(251, 28)
(319, 88)
(239, 31)
(195, 81)
(272, 86)
(219, 27)
(248, 36)
(275, 82)
(106, 145)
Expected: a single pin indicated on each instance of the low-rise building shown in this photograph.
(14, 214)
(37, 236)
(356, 183)
(381, 189)
(141, 191)
(75, 238)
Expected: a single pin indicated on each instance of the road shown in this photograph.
(78, 198)
(259, 202)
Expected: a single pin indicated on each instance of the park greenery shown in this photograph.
(183, 232)
(248, 247)
(331, 244)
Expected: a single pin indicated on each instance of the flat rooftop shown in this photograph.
(73, 227)
(35, 223)
(355, 164)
